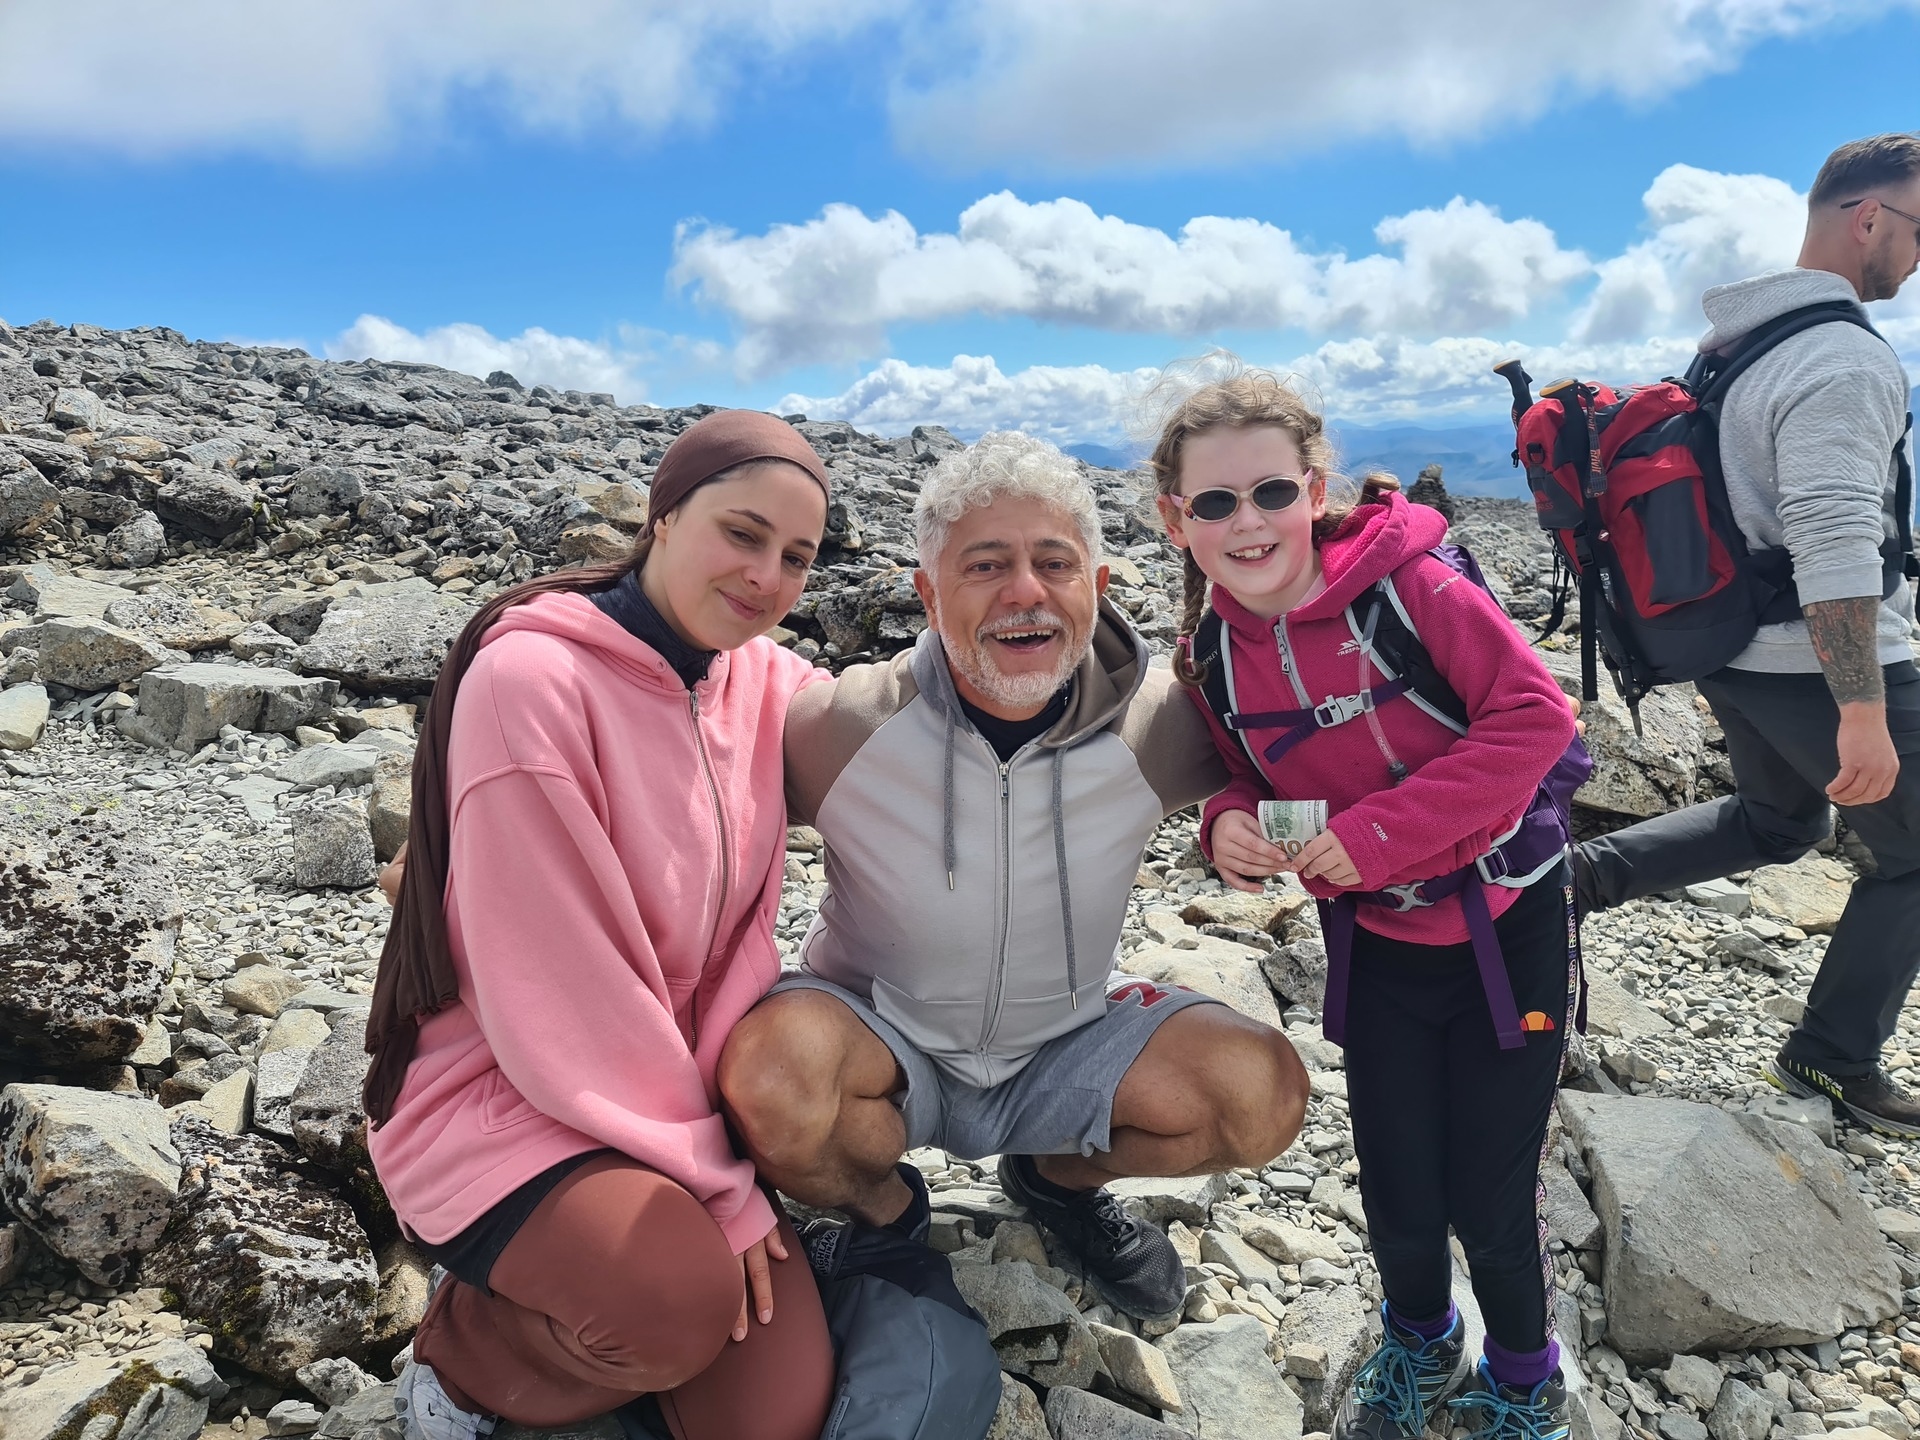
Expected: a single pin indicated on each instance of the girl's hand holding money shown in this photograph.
(1243, 856)
(1324, 858)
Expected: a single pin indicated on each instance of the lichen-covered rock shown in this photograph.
(159, 1392)
(88, 919)
(392, 636)
(264, 1256)
(92, 1174)
(332, 848)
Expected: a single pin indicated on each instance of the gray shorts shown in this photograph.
(1061, 1103)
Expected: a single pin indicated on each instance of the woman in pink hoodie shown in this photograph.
(1438, 941)
(593, 869)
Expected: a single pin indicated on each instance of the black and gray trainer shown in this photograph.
(1134, 1264)
(1492, 1411)
(1872, 1099)
(1401, 1386)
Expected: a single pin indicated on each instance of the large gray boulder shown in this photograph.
(393, 636)
(1641, 774)
(185, 706)
(207, 504)
(88, 920)
(93, 1174)
(92, 655)
(274, 1265)
(159, 1392)
(1229, 1388)
(28, 500)
(1725, 1231)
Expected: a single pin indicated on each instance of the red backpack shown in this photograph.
(1630, 488)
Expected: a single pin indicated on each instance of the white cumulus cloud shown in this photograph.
(533, 357)
(1076, 83)
(336, 79)
(829, 289)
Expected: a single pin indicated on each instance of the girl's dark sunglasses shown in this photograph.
(1211, 506)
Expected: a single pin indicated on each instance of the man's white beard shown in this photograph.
(1027, 690)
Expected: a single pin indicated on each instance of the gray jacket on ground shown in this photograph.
(979, 905)
(1807, 441)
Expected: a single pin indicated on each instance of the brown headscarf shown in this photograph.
(416, 968)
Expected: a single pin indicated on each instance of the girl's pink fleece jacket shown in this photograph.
(1463, 789)
(617, 848)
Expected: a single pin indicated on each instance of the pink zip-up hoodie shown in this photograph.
(1464, 789)
(616, 852)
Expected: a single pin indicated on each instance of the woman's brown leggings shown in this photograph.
(621, 1285)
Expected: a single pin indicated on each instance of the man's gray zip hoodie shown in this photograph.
(979, 905)
(1806, 441)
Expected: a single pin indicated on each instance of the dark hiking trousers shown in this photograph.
(1781, 737)
(1448, 1127)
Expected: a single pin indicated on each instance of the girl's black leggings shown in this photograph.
(1449, 1127)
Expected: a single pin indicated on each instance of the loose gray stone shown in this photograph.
(23, 716)
(332, 848)
(1077, 1415)
(1740, 1413)
(158, 1392)
(1229, 1388)
(94, 1175)
(1724, 1232)
(1345, 1326)
(277, 1268)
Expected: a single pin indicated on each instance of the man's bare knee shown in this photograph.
(1260, 1097)
(780, 1074)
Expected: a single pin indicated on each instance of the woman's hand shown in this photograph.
(1242, 855)
(757, 1286)
(1325, 858)
(391, 874)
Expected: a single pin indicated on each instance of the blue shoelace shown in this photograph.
(1400, 1380)
(1504, 1418)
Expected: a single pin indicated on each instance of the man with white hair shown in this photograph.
(985, 799)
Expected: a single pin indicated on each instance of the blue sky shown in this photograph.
(622, 194)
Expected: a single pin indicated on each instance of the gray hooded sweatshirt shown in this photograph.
(1806, 440)
(977, 904)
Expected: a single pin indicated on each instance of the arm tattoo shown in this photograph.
(1845, 635)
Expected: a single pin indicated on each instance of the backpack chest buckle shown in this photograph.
(1338, 709)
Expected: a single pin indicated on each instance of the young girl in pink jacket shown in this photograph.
(593, 869)
(1451, 979)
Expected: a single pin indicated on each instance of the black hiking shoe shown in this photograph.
(1397, 1392)
(1506, 1412)
(1135, 1264)
(1872, 1099)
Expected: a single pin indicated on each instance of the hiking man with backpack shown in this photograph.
(1824, 707)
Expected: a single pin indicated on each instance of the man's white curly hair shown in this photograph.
(1002, 463)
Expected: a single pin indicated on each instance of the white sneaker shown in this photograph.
(425, 1412)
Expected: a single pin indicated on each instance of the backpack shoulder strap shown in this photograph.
(1213, 653)
(1396, 650)
(1711, 376)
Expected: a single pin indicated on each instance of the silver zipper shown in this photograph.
(1286, 662)
(719, 820)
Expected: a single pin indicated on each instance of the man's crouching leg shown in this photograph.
(806, 1086)
(1210, 1091)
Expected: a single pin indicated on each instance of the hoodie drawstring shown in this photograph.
(1060, 867)
(947, 817)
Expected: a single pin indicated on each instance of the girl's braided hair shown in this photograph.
(1220, 390)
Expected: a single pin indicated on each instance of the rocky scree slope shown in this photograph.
(227, 577)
